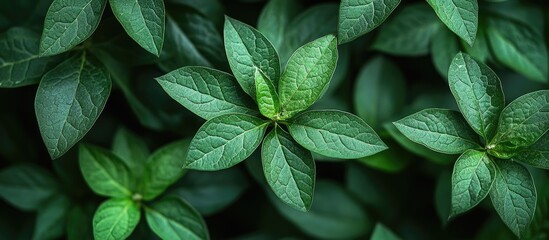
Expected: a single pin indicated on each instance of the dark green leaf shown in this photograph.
(536, 155)
(51, 218)
(173, 218)
(444, 48)
(383, 233)
(132, 150)
(26, 186)
(275, 18)
(358, 17)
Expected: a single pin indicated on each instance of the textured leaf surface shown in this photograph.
(289, 169)
(69, 100)
(358, 17)
(536, 155)
(266, 96)
(473, 176)
(69, 23)
(206, 92)
(478, 93)
(143, 20)
(441, 130)
(27, 187)
(460, 16)
(307, 74)
(225, 141)
(173, 218)
(115, 219)
(335, 134)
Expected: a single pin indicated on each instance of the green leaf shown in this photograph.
(358, 17)
(105, 173)
(536, 155)
(224, 141)
(173, 218)
(69, 23)
(143, 20)
(20, 64)
(473, 177)
(480, 49)
(51, 218)
(409, 33)
(79, 222)
(379, 91)
(266, 96)
(444, 48)
(514, 196)
(164, 168)
(69, 100)
(116, 219)
(27, 187)
(391, 161)
(275, 18)
(460, 16)
(519, 48)
(289, 169)
(478, 93)
(335, 134)
(132, 150)
(521, 124)
(381, 232)
(307, 75)
(247, 50)
(213, 9)
(440, 130)
(206, 92)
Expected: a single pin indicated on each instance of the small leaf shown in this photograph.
(104, 172)
(381, 232)
(173, 218)
(132, 150)
(27, 187)
(143, 20)
(307, 75)
(444, 48)
(69, 100)
(275, 19)
(116, 219)
(266, 96)
(473, 176)
(441, 130)
(69, 23)
(478, 93)
(289, 169)
(247, 49)
(460, 16)
(536, 155)
(51, 218)
(357, 18)
(224, 141)
(514, 196)
(206, 92)
(335, 134)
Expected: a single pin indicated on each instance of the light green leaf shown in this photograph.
(536, 155)
(51, 218)
(521, 124)
(69, 23)
(478, 93)
(381, 232)
(247, 49)
(460, 16)
(335, 134)
(116, 219)
(444, 48)
(206, 92)
(307, 74)
(173, 218)
(104, 172)
(224, 141)
(289, 169)
(519, 48)
(132, 150)
(27, 187)
(358, 17)
(266, 96)
(275, 18)
(69, 99)
(440, 130)
(164, 168)
(143, 20)
(473, 176)
(514, 196)
(409, 33)
(20, 64)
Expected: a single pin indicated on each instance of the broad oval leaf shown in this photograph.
(473, 176)
(69, 100)
(514, 196)
(266, 96)
(247, 49)
(224, 141)
(27, 187)
(104, 172)
(478, 93)
(307, 74)
(143, 20)
(69, 23)
(206, 92)
(335, 134)
(116, 219)
(536, 155)
(440, 130)
(275, 19)
(173, 218)
(289, 169)
(460, 16)
(358, 17)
